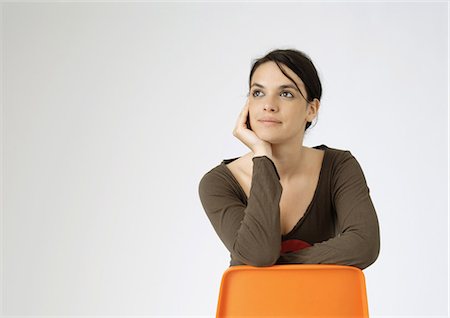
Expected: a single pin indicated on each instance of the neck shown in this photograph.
(290, 159)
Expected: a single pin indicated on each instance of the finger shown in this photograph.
(244, 115)
(243, 110)
(245, 106)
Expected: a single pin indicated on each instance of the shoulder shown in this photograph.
(227, 167)
(337, 153)
(215, 175)
(217, 179)
(218, 188)
(342, 162)
(345, 168)
(341, 156)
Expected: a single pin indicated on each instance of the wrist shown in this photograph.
(262, 152)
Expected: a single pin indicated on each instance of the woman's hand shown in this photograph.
(258, 146)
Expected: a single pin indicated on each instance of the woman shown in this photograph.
(282, 202)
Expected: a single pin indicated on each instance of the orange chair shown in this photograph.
(293, 290)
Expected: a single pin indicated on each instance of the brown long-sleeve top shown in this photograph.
(340, 225)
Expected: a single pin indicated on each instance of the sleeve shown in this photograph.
(252, 232)
(357, 242)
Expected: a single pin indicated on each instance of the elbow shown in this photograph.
(256, 260)
(367, 261)
(266, 255)
(265, 262)
(374, 252)
(371, 251)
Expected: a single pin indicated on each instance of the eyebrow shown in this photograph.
(281, 86)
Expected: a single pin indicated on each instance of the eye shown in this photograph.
(288, 93)
(254, 92)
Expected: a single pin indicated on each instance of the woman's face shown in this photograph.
(273, 96)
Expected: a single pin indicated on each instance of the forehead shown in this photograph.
(269, 74)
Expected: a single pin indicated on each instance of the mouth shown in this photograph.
(269, 119)
(269, 122)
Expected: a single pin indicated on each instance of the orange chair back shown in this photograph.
(293, 290)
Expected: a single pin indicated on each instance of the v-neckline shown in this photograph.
(320, 147)
(308, 209)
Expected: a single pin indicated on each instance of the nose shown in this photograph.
(270, 103)
(270, 107)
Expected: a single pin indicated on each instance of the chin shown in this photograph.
(269, 137)
(277, 137)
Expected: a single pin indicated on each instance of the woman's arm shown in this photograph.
(251, 233)
(357, 241)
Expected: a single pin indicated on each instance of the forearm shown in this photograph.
(258, 239)
(350, 248)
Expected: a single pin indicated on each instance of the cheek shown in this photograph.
(295, 119)
(297, 114)
(251, 110)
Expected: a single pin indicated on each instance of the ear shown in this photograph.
(313, 109)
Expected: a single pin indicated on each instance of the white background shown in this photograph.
(112, 112)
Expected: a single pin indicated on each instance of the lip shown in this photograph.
(270, 120)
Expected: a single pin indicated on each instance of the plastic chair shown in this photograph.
(293, 290)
